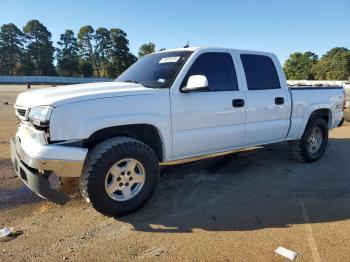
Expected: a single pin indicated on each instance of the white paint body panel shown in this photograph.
(189, 124)
(266, 122)
(57, 96)
(306, 101)
(217, 126)
(34, 146)
(82, 119)
(205, 122)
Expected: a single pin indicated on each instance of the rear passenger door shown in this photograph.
(267, 100)
(209, 121)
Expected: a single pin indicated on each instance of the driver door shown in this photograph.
(209, 121)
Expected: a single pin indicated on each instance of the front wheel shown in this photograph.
(313, 143)
(120, 175)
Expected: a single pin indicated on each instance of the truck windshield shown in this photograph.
(157, 70)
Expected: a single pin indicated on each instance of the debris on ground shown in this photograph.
(6, 231)
(5, 103)
(155, 251)
(8, 234)
(286, 253)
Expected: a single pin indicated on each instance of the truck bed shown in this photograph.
(306, 99)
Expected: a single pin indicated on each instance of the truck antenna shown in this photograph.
(187, 45)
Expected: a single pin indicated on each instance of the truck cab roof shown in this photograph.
(216, 49)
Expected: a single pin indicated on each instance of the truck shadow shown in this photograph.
(263, 188)
(13, 193)
(12, 198)
(253, 190)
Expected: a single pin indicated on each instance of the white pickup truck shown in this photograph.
(169, 107)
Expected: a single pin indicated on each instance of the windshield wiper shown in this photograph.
(136, 82)
(131, 81)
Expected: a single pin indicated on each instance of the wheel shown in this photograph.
(119, 176)
(313, 143)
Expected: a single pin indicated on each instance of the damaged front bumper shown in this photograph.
(36, 163)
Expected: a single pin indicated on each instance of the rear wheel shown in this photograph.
(119, 176)
(313, 143)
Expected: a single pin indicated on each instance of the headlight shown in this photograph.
(40, 115)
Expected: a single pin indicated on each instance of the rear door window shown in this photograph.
(260, 72)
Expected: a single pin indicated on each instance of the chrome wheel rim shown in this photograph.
(315, 140)
(125, 179)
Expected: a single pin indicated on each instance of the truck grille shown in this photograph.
(21, 112)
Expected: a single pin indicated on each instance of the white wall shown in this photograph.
(318, 82)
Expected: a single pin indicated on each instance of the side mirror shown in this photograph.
(196, 83)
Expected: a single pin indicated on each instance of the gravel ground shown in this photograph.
(235, 208)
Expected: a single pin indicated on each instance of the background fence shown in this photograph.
(40, 80)
(317, 82)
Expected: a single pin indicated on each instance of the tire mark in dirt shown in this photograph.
(308, 228)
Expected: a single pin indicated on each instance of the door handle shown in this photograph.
(238, 103)
(279, 100)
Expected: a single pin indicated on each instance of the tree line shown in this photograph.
(334, 65)
(105, 53)
(101, 52)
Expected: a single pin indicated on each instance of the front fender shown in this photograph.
(162, 125)
(79, 120)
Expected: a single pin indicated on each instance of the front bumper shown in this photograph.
(37, 163)
(38, 183)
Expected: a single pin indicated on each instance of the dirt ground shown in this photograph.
(235, 208)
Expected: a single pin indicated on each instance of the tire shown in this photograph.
(104, 167)
(305, 151)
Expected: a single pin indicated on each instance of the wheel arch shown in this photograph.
(146, 133)
(322, 112)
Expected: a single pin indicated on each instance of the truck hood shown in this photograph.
(57, 96)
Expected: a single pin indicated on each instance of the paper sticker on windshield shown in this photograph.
(170, 59)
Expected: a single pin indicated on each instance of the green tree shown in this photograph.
(11, 48)
(103, 48)
(146, 49)
(26, 67)
(300, 66)
(334, 65)
(86, 40)
(120, 56)
(39, 49)
(86, 68)
(68, 54)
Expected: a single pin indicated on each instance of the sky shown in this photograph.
(278, 26)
